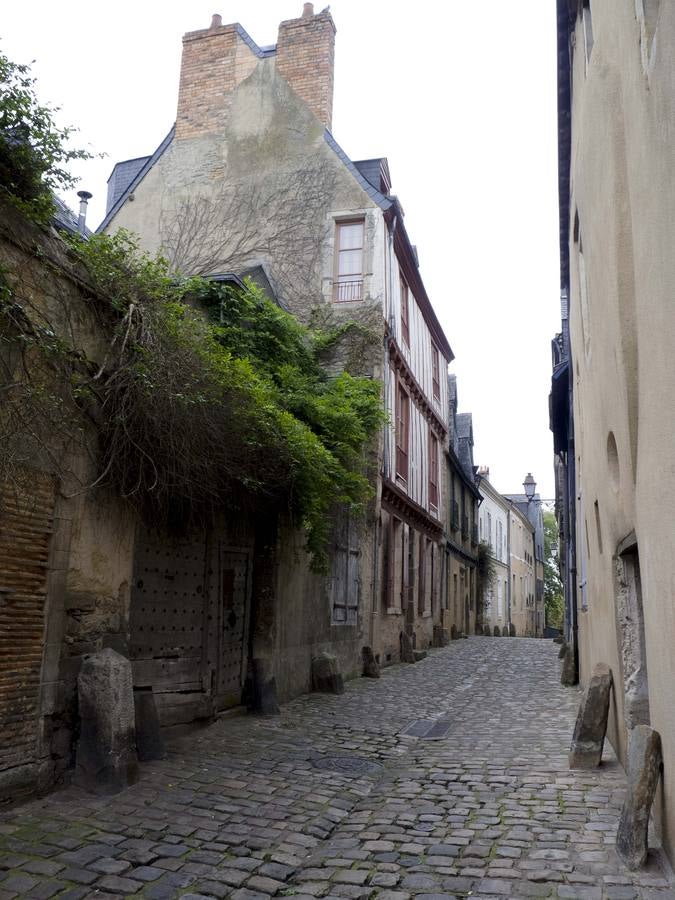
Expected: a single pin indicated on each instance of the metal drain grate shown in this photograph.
(347, 765)
(428, 729)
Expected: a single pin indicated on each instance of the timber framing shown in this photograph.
(395, 501)
(415, 389)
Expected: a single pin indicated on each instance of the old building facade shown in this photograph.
(250, 179)
(614, 378)
(461, 612)
(522, 594)
(493, 531)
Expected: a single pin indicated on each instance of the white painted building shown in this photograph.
(493, 525)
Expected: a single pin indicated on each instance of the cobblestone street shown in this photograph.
(330, 800)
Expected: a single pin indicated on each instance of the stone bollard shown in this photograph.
(486, 631)
(440, 638)
(149, 743)
(371, 668)
(512, 630)
(106, 760)
(326, 678)
(263, 689)
(453, 632)
(563, 649)
(591, 725)
(568, 676)
(644, 768)
(497, 631)
(407, 649)
(505, 631)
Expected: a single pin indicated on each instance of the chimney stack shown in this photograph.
(85, 197)
(305, 58)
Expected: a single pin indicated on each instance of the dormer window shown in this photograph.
(348, 283)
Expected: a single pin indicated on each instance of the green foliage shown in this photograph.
(554, 602)
(485, 568)
(209, 391)
(33, 150)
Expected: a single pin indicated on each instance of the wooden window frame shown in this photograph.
(402, 432)
(405, 310)
(355, 293)
(433, 472)
(435, 372)
(422, 575)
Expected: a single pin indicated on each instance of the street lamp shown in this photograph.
(530, 486)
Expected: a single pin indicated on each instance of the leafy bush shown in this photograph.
(33, 150)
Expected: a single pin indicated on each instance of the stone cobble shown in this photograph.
(330, 800)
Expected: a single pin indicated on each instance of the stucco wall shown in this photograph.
(622, 320)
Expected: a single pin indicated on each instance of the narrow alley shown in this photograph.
(444, 779)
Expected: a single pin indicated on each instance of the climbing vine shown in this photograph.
(207, 395)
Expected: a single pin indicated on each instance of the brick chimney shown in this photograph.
(215, 60)
(218, 58)
(305, 57)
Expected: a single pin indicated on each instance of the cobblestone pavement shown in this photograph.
(330, 800)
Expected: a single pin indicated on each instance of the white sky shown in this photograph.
(461, 98)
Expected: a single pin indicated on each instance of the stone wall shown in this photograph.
(622, 318)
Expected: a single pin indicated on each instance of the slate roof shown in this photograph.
(121, 177)
(65, 219)
(131, 187)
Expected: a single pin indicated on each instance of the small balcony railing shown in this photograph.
(344, 291)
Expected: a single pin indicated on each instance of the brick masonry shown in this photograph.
(215, 60)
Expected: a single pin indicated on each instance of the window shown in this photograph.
(435, 372)
(345, 580)
(348, 284)
(402, 432)
(422, 577)
(433, 472)
(405, 311)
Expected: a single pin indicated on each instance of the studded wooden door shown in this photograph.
(232, 618)
(168, 618)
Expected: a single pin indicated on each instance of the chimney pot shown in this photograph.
(216, 21)
(307, 10)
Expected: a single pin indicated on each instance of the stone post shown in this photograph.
(591, 725)
(325, 675)
(371, 668)
(568, 676)
(644, 768)
(106, 760)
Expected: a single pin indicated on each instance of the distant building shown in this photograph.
(493, 530)
(461, 613)
(522, 605)
(532, 509)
